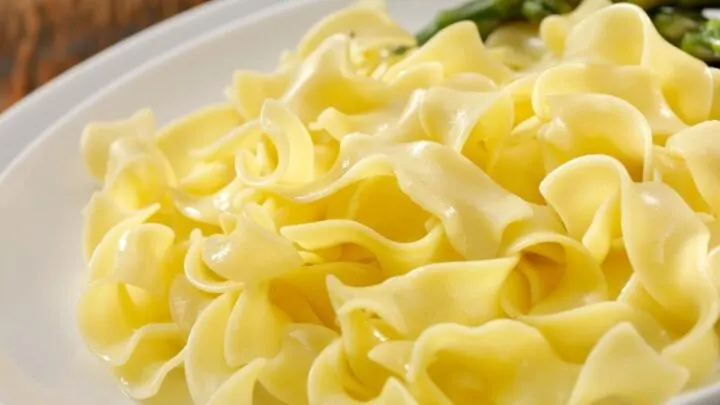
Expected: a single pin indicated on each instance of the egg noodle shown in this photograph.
(529, 220)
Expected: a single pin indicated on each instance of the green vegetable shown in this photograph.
(704, 43)
(536, 10)
(673, 23)
(486, 14)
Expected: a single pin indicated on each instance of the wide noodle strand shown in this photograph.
(531, 221)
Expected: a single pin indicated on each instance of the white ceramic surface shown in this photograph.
(42, 360)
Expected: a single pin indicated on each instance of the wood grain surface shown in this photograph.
(40, 39)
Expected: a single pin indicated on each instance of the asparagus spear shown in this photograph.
(486, 14)
(673, 23)
(704, 43)
(536, 10)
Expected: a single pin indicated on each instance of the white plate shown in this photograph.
(42, 360)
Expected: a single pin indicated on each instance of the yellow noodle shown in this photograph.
(528, 221)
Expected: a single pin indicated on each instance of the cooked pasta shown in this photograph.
(529, 220)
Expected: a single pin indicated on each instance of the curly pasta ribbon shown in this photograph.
(527, 221)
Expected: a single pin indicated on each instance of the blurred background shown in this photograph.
(40, 39)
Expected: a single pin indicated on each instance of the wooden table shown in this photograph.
(40, 39)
